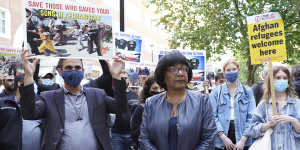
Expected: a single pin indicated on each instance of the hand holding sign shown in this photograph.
(267, 42)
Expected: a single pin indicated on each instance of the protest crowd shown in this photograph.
(174, 104)
(164, 112)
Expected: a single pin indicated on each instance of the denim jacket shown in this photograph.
(196, 127)
(244, 107)
(284, 136)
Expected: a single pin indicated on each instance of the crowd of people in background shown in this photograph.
(144, 110)
(9, 65)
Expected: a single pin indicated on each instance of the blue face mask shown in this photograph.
(73, 77)
(231, 76)
(280, 85)
(47, 82)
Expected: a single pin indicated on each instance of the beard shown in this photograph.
(11, 89)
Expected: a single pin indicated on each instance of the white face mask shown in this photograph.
(47, 82)
(281, 85)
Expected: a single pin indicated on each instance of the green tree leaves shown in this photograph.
(214, 25)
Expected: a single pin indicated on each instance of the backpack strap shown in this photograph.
(245, 91)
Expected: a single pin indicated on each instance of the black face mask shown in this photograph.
(151, 93)
(12, 89)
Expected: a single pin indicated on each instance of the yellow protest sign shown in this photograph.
(266, 38)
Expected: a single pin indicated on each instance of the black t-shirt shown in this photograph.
(122, 122)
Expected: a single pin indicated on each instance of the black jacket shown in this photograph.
(10, 125)
(104, 81)
(43, 88)
(136, 121)
(122, 122)
(50, 107)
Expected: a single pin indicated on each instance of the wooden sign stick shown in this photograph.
(272, 88)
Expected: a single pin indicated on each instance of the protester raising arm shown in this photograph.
(104, 81)
(32, 108)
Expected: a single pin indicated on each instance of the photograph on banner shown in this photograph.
(128, 46)
(196, 59)
(266, 38)
(139, 72)
(10, 62)
(58, 29)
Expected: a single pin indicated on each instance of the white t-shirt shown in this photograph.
(1, 88)
(232, 108)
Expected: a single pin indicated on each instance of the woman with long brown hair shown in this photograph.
(285, 124)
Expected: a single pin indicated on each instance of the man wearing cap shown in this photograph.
(9, 86)
(75, 117)
(47, 83)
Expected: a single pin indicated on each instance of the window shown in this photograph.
(4, 23)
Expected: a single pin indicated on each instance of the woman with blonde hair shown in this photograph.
(233, 105)
(285, 124)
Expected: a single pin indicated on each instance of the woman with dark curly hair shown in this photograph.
(150, 88)
(178, 119)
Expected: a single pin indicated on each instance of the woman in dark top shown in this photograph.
(150, 88)
(178, 119)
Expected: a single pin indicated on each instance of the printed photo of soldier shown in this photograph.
(60, 34)
(128, 46)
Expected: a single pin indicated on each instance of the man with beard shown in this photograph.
(16, 133)
(9, 86)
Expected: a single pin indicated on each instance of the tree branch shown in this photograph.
(240, 17)
(291, 23)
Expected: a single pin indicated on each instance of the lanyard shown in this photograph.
(77, 111)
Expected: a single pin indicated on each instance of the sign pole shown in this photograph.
(272, 88)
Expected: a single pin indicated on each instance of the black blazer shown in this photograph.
(50, 107)
(10, 124)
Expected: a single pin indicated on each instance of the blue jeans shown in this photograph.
(122, 142)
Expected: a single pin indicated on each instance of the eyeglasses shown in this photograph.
(72, 67)
(176, 70)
